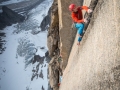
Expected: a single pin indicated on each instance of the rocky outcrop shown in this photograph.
(52, 43)
(46, 21)
(9, 17)
(39, 59)
(54, 73)
(53, 33)
(35, 71)
(55, 68)
(2, 48)
(95, 64)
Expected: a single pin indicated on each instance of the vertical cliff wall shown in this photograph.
(60, 39)
(95, 64)
(52, 43)
(66, 33)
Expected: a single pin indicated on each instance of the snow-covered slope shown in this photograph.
(5, 2)
(23, 42)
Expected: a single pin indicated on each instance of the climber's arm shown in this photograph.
(86, 8)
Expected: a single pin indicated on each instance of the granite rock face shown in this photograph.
(9, 17)
(95, 64)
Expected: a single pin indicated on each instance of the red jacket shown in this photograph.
(77, 16)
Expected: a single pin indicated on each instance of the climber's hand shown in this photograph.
(89, 10)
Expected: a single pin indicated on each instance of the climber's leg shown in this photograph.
(80, 27)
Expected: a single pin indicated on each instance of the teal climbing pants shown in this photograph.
(80, 27)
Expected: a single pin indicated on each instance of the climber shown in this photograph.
(76, 14)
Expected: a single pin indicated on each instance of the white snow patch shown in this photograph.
(16, 77)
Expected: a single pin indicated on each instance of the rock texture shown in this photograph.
(53, 74)
(53, 33)
(56, 64)
(45, 22)
(2, 48)
(95, 64)
(9, 17)
(35, 70)
(53, 46)
(55, 70)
